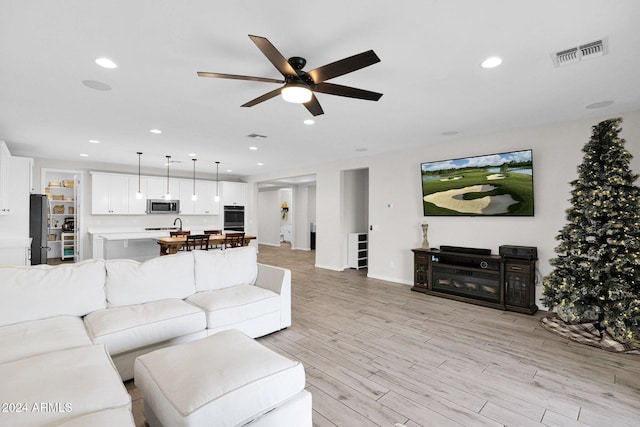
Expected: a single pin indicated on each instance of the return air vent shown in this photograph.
(577, 54)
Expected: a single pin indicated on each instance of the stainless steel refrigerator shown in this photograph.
(38, 228)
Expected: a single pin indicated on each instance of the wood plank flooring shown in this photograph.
(376, 353)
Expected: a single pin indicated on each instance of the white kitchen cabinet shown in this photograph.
(206, 203)
(206, 192)
(5, 185)
(14, 255)
(185, 192)
(109, 194)
(157, 188)
(234, 193)
(137, 206)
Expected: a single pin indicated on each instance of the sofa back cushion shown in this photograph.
(43, 291)
(222, 269)
(166, 277)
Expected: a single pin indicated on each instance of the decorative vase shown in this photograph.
(425, 241)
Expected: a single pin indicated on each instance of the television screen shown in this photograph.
(492, 185)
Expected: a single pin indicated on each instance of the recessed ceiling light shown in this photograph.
(491, 62)
(309, 122)
(253, 148)
(84, 155)
(94, 84)
(229, 170)
(260, 164)
(156, 131)
(106, 63)
(600, 104)
(94, 141)
(191, 154)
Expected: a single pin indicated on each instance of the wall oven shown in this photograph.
(234, 218)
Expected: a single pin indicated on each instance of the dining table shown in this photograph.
(171, 245)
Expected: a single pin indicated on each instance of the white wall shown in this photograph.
(269, 219)
(394, 178)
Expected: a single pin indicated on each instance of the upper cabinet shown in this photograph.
(157, 188)
(137, 206)
(5, 173)
(204, 204)
(15, 186)
(109, 194)
(115, 194)
(234, 193)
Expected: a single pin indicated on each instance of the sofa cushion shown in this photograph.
(130, 327)
(35, 337)
(227, 379)
(131, 282)
(236, 304)
(42, 291)
(60, 386)
(221, 269)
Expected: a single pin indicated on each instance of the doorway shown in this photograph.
(287, 212)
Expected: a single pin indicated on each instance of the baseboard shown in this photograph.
(326, 267)
(270, 244)
(390, 279)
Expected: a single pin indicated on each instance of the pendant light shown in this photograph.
(217, 198)
(194, 196)
(139, 193)
(167, 196)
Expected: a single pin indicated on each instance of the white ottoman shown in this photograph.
(227, 379)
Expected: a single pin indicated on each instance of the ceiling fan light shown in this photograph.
(296, 93)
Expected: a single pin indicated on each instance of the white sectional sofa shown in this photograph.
(75, 327)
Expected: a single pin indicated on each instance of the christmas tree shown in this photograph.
(596, 276)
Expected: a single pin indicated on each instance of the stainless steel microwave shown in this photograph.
(162, 206)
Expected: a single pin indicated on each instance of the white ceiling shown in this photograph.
(429, 75)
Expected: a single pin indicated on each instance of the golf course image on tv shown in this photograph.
(491, 185)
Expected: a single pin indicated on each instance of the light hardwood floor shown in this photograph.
(376, 353)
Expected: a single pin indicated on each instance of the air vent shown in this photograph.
(577, 54)
(257, 136)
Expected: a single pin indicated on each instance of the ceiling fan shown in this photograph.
(299, 86)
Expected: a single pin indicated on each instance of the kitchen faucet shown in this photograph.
(176, 220)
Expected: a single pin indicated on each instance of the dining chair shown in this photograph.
(233, 240)
(197, 241)
(179, 233)
(214, 233)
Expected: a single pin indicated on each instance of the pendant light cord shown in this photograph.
(168, 161)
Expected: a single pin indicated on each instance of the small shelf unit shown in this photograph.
(358, 248)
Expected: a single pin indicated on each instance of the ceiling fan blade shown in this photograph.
(262, 98)
(273, 55)
(314, 106)
(344, 66)
(238, 77)
(351, 92)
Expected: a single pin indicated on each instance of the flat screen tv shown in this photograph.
(491, 185)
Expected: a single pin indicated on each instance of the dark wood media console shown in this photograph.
(488, 280)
